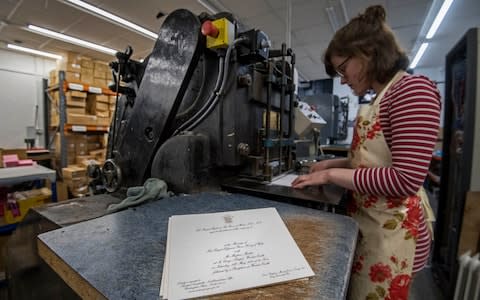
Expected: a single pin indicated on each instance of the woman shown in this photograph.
(389, 157)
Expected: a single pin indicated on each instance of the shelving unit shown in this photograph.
(460, 175)
(63, 126)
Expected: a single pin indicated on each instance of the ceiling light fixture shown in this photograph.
(344, 11)
(33, 51)
(70, 39)
(439, 18)
(419, 55)
(332, 18)
(208, 6)
(111, 17)
(431, 32)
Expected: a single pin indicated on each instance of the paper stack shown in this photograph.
(222, 252)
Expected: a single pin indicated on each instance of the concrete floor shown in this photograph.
(424, 287)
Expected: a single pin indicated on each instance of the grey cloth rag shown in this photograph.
(152, 189)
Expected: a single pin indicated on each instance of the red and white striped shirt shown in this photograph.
(409, 117)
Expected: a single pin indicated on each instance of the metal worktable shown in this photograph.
(9, 176)
(121, 255)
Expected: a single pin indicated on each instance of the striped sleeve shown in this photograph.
(409, 117)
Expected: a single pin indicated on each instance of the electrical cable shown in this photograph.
(220, 92)
(207, 103)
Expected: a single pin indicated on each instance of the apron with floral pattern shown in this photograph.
(382, 267)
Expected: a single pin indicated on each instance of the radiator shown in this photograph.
(468, 279)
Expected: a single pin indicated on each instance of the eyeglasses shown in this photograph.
(340, 69)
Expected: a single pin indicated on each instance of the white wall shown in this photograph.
(21, 91)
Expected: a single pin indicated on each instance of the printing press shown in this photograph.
(217, 104)
(211, 110)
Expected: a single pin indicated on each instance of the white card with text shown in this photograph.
(229, 251)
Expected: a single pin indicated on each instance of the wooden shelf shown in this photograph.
(82, 87)
(86, 128)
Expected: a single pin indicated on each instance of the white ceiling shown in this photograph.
(310, 27)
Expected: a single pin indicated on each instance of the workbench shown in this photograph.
(121, 255)
(13, 175)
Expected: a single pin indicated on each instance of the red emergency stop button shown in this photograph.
(208, 29)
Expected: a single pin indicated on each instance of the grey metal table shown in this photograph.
(120, 256)
(14, 175)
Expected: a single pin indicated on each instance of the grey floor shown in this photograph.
(424, 287)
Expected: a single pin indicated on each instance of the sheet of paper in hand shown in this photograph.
(229, 251)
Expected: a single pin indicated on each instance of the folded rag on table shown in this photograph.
(152, 189)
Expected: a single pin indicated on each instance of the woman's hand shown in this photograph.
(339, 176)
(319, 166)
(315, 178)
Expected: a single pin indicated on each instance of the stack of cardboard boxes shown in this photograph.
(83, 108)
(82, 150)
(82, 69)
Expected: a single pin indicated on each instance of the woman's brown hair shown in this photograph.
(368, 36)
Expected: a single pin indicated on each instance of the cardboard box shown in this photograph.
(76, 110)
(76, 102)
(77, 94)
(53, 77)
(73, 67)
(101, 66)
(103, 114)
(103, 121)
(72, 76)
(87, 63)
(99, 73)
(74, 172)
(100, 106)
(77, 119)
(62, 191)
(78, 187)
(54, 118)
(100, 82)
(10, 160)
(20, 152)
(87, 79)
(24, 201)
(81, 159)
(94, 106)
(94, 146)
(99, 154)
(101, 98)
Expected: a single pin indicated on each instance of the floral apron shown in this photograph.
(385, 251)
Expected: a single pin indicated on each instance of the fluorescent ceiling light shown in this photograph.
(439, 18)
(332, 18)
(431, 32)
(33, 51)
(112, 17)
(208, 6)
(419, 55)
(71, 39)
